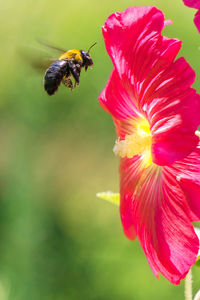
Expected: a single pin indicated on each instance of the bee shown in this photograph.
(66, 67)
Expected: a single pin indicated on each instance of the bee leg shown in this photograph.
(86, 67)
(67, 82)
(78, 72)
(75, 70)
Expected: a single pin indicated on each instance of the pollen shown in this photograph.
(137, 143)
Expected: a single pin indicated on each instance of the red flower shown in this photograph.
(156, 113)
(194, 4)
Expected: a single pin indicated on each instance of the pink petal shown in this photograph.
(158, 87)
(192, 3)
(187, 173)
(153, 207)
(197, 20)
(173, 110)
(131, 171)
(138, 51)
(117, 101)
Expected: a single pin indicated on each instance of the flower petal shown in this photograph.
(197, 20)
(173, 110)
(187, 173)
(192, 3)
(116, 101)
(138, 51)
(152, 207)
(158, 87)
(131, 170)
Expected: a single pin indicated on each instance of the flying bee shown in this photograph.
(64, 69)
(67, 66)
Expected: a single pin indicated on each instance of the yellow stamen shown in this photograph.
(138, 143)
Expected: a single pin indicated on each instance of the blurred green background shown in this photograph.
(57, 241)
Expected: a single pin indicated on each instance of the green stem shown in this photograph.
(188, 286)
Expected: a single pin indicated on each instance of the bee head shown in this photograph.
(87, 60)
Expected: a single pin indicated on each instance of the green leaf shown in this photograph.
(110, 197)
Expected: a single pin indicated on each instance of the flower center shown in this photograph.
(137, 143)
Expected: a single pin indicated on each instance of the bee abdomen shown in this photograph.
(54, 75)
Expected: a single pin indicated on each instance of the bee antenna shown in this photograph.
(91, 47)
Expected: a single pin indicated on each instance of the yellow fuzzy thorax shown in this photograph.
(72, 54)
(138, 143)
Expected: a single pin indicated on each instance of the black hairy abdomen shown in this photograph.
(54, 75)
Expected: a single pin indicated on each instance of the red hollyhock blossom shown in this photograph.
(156, 113)
(194, 4)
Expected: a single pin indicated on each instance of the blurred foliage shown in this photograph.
(57, 240)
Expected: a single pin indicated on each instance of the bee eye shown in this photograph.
(85, 54)
(87, 60)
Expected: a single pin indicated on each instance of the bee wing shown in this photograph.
(42, 64)
(51, 46)
(38, 59)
